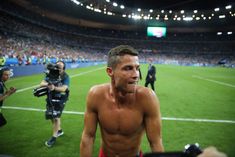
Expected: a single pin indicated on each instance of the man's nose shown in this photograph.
(135, 73)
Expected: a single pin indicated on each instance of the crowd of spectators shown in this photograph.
(24, 42)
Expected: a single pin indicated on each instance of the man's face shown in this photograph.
(6, 75)
(126, 74)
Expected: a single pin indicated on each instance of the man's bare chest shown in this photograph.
(123, 120)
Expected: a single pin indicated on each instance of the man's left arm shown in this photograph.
(153, 122)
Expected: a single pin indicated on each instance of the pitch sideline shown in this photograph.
(83, 73)
(214, 81)
(163, 118)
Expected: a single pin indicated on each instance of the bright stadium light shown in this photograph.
(188, 19)
(122, 6)
(115, 4)
(222, 16)
(219, 33)
(228, 7)
(229, 33)
(76, 2)
(216, 9)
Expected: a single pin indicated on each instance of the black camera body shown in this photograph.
(53, 73)
(191, 150)
(52, 77)
(40, 91)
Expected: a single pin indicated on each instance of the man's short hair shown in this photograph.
(2, 69)
(115, 53)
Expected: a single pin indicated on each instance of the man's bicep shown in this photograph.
(153, 124)
(90, 123)
(90, 117)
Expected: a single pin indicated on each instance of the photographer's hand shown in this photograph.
(11, 91)
(211, 152)
(51, 87)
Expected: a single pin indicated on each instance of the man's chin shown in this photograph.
(131, 89)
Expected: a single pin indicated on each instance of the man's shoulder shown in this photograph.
(142, 91)
(99, 89)
(65, 76)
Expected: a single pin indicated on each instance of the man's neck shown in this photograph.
(120, 96)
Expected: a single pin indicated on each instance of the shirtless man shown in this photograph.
(123, 110)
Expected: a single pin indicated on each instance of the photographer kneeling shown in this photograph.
(57, 95)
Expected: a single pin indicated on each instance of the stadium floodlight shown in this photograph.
(76, 2)
(178, 18)
(228, 7)
(182, 11)
(150, 10)
(188, 19)
(219, 33)
(146, 17)
(136, 17)
(97, 10)
(195, 11)
(139, 10)
(108, 1)
(109, 13)
(197, 18)
(229, 33)
(115, 4)
(216, 9)
(122, 6)
(170, 11)
(222, 16)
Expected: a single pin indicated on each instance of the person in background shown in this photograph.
(151, 76)
(56, 99)
(4, 92)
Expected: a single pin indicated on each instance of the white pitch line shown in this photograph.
(218, 82)
(163, 118)
(24, 89)
(83, 73)
(86, 72)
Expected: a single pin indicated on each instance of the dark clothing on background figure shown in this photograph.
(151, 76)
(2, 118)
(56, 100)
(2, 86)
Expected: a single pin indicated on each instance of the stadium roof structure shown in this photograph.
(177, 15)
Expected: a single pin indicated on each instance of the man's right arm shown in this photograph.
(90, 126)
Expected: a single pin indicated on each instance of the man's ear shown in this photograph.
(109, 71)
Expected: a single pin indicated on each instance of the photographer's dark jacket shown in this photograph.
(151, 75)
(65, 80)
(2, 86)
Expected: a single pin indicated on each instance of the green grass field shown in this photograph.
(184, 92)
